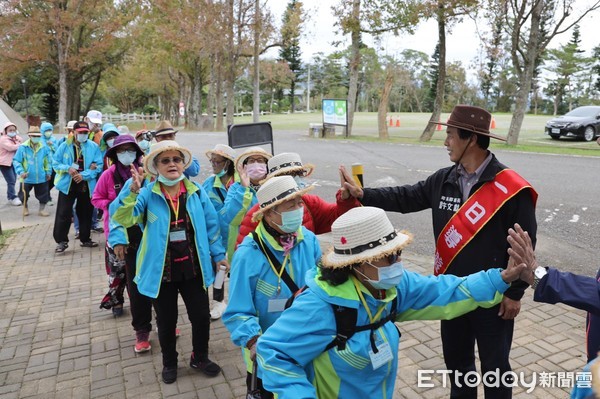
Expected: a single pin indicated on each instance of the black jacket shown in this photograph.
(441, 193)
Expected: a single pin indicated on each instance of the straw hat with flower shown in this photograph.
(223, 150)
(249, 152)
(363, 234)
(287, 163)
(275, 191)
(165, 145)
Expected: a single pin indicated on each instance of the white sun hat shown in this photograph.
(363, 234)
(286, 163)
(223, 150)
(248, 153)
(165, 145)
(275, 191)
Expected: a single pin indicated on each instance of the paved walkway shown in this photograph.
(55, 342)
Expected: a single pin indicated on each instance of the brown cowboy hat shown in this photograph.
(164, 127)
(473, 119)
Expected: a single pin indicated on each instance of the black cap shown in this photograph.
(81, 127)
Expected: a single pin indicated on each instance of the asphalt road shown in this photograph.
(567, 210)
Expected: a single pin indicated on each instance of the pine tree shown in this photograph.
(290, 51)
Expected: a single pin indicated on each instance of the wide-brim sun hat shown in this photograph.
(275, 191)
(363, 234)
(164, 127)
(34, 131)
(473, 119)
(165, 145)
(120, 141)
(287, 163)
(70, 125)
(223, 150)
(250, 151)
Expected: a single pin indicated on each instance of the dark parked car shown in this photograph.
(582, 123)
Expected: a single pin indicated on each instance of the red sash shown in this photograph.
(474, 214)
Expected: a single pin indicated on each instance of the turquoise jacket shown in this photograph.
(50, 142)
(63, 159)
(36, 163)
(254, 282)
(151, 209)
(217, 194)
(290, 354)
(237, 203)
(117, 234)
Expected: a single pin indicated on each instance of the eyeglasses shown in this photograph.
(215, 162)
(167, 160)
(256, 160)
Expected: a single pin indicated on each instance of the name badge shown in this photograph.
(383, 355)
(276, 305)
(75, 166)
(177, 235)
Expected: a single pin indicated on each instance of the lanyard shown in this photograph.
(77, 153)
(175, 208)
(373, 319)
(277, 273)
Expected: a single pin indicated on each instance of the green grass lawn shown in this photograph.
(531, 137)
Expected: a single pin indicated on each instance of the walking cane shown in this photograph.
(24, 199)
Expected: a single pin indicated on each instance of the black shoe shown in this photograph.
(169, 374)
(117, 311)
(98, 229)
(206, 365)
(89, 244)
(60, 248)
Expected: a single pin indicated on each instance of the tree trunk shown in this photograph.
(62, 95)
(219, 98)
(526, 75)
(88, 106)
(256, 81)
(210, 98)
(354, 64)
(441, 83)
(194, 108)
(383, 104)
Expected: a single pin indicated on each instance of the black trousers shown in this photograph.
(494, 338)
(196, 303)
(218, 293)
(64, 212)
(40, 189)
(140, 305)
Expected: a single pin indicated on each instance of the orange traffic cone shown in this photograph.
(391, 121)
(438, 126)
(493, 125)
(398, 122)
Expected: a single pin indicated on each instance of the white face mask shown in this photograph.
(110, 142)
(82, 137)
(48, 134)
(126, 157)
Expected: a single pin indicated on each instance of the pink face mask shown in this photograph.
(256, 171)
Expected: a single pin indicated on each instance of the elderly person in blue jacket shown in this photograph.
(181, 236)
(52, 143)
(32, 164)
(269, 266)
(78, 164)
(304, 355)
(221, 159)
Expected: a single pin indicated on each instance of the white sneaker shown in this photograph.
(15, 201)
(217, 310)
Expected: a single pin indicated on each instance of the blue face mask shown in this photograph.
(300, 182)
(144, 145)
(170, 182)
(223, 171)
(291, 220)
(389, 276)
(48, 134)
(35, 140)
(126, 157)
(82, 138)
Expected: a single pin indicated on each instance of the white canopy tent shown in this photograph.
(7, 114)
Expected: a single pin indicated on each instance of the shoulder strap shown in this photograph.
(118, 181)
(345, 320)
(220, 194)
(284, 275)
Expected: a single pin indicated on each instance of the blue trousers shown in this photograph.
(11, 178)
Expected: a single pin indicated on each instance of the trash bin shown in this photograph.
(315, 130)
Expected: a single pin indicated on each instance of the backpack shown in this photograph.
(345, 322)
